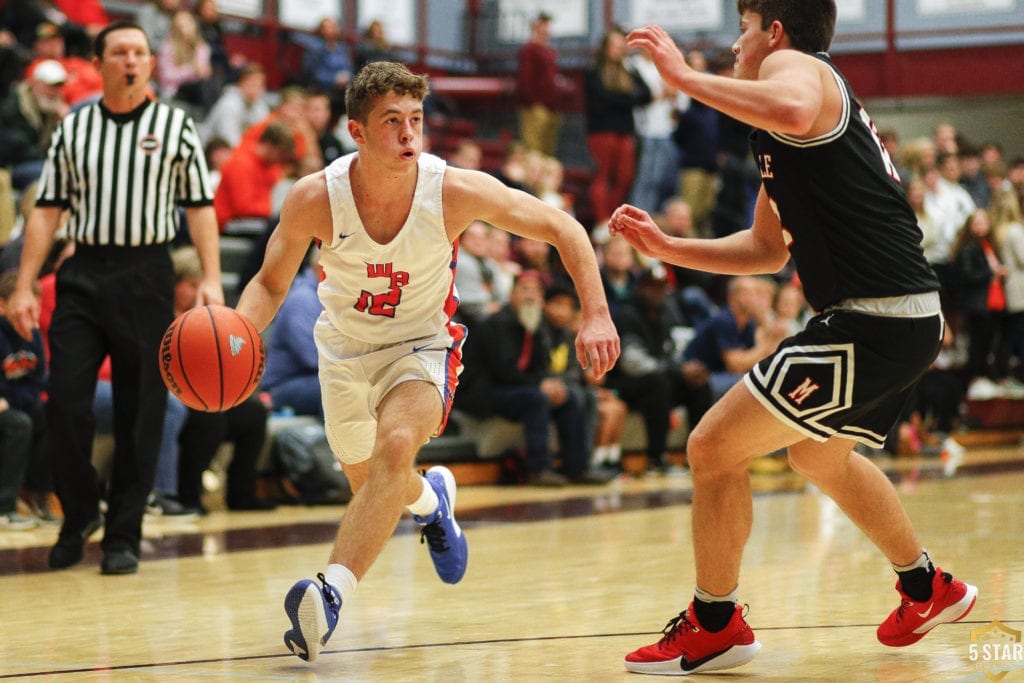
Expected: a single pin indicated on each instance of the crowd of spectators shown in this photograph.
(686, 336)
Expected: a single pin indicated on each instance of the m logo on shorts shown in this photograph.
(807, 384)
(806, 388)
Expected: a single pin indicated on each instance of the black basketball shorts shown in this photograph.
(847, 373)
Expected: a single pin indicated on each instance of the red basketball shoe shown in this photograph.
(686, 648)
(951, 600)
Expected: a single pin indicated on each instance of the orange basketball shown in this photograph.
(212, 358)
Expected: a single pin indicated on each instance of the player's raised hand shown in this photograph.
(663, 50)
(639, 229)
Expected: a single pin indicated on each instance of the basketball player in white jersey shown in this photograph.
(831, 200)
(387, 219)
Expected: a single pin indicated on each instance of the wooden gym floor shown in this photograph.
(561, 584)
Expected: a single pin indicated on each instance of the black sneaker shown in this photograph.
(593, 477)
(119, 561)
(70, 549)
(162, 505)
(254, 503)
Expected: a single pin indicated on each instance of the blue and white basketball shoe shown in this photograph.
(314, 614)
(441, 532)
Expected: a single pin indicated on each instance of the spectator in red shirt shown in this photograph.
(291, 111)
(249, 175)
(83, 80)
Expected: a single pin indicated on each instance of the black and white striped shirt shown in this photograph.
(123, 175)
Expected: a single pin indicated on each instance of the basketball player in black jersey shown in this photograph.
(830, 200)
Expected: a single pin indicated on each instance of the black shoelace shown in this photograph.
(332, 601)
(433, 535)
(675, 626)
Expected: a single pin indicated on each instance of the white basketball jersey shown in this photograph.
(388, 293)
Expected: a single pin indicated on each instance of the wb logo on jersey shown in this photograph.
(387, 302)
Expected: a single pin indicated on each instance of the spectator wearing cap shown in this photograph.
(539, 88)
(83, 82)
(28, 116)
(49, 41)
(604, 413)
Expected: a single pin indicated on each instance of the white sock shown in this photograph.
(704, 596)
(614, 453)
(342, 578)
(922, 562)
(600, 456)
(427, 503)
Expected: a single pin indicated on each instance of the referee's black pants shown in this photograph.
(116, 301)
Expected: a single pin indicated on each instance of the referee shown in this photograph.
(120, 167)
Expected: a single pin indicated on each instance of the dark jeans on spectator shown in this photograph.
(529, 405)
(15, 452)
(982, 329)
(1011, 345)
(653, 396)
(301, 394)
(245, 426)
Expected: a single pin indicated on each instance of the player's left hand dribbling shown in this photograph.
(210, 293)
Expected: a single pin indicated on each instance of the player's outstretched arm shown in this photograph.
(305, 216)
(471, 195)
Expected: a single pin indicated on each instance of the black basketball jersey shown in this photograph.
(845, 217)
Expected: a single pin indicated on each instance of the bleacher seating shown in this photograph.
(473, 447)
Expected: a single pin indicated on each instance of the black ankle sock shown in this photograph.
(713, 616)
(917, 583)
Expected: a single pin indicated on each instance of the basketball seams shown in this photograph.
(220, 356)
(181, 360)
